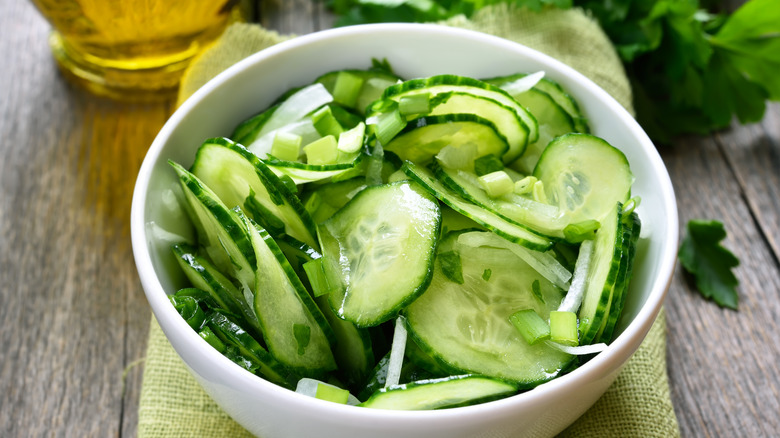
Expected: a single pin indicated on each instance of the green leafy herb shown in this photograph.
(451, 266)
(691, 69)
(702, 255)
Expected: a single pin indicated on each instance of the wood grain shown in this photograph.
(73, 318)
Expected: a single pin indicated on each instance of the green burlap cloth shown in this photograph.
(638, 404)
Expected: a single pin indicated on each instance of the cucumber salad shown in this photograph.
(409, 244)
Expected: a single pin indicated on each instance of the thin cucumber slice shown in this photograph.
(239, 178)
(447, 392)
(378, 251)
(424, 137)
(542, 218)
(631, 229)
(584, 176)
(508, 230)
(220, 231)
(248, 353)
(302, 173)
(566, 101)
(451, 83)
(467, 325)
(602, 275)
(205, 276)
(294, 329)
(505, 118)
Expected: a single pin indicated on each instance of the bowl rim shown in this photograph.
(605, 363)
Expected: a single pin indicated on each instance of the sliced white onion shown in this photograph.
(571, 302)
(579, 350)
(296, 107)
(303, 128)
(396, 353)
(159, 235)
(523, 84)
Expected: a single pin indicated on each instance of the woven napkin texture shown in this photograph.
(638, 404)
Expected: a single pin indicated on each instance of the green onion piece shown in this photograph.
(525, 185)
(317, 279)
(487, 164)
(496, 184)
(302, 334)
(351, 141)
(325, 123)
(563, 328)
(332, 394)
(486, 274)
(530, 325)
(212, 339)
(286, 146)
(347, 88)
(322, 151)
(416, 104)
(538, 192)
(388, 125)
(581, 231)
(631, 205)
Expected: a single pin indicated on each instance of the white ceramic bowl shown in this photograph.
(251, 85)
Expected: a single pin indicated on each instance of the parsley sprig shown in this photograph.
(692, 68)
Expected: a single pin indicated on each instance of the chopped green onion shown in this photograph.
(212, 339)
(322, 151)
(332, 394)
(286, 146)
(525, 185)
(347, 88)
(497, 183)
(388, 125)
(351, 141)
(530, 325)
(451, 266)
(563, 328)
(325, 122)
(585, 230)
(488, 164)
(416, 104)
(538, 192)
(486, 274)
(317, 279)
(302, 334)
(631, 205)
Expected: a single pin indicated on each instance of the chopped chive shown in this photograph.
(536, 289)
(322, 151)
(286, 146)
(325, 123)
(347, 88)
(486, 274)
(388, 125)
(538, 192)
(525, 185)
(331, 393)
(581, 231)
(563, 328)
(487, 164)
(497, 183)
(351, 141)
(530, 325)
(317, 279)
(416, 104)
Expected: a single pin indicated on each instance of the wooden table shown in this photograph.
(74, 320)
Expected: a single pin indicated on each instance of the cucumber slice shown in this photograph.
(566, 101)
(505, 118)
(220, 231)
(508, 230)
(302, 173)
(447, 392)
(602, 275)
(584, 176)
(451, 83)
(542, 218)
(205, 276)
(248, 353)
(378, 251)
(631, 228)
(424, 137)
(467, 325)
(294, 329)
(239, 178)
